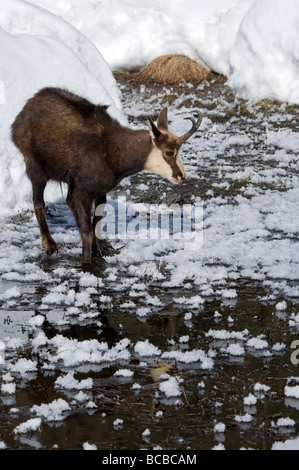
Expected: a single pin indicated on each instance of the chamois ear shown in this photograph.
(162, 122)
(154, 131)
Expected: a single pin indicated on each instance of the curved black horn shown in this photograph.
(195, 126)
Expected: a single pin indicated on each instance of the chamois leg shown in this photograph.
(100, 246)
(47, 241)
(81, 209)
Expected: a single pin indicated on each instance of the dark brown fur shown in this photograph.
(65, 138)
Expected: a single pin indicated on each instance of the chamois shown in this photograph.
(65, 138)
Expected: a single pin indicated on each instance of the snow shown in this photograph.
(37, 50)
(192, 302)
(218, 447)
(53, 411)
(74, 352)
(171, 387)
(124, 373)
(89, 280)
(69, 382)
(184, 339)
(267, 48)
(281, 305)
(36, 321)
(294, 321)
(234, 350)
(187, 357)
(257, 343)
(258, 387)
(74, 49)
(7, 377)
(12, 343)
(229, 293)
(12, 293)
(143, 311)
(136, 386)
(253, 42)
(29, 425)
(118, 422)
(292, 391)
(146, 433)
(258, 36)
(39, 340)
(250, 400)
(8, 388)
(122, 29)
(290, 444)
(188, 316)
(23, 366)
(223, 334)
(285, 422)
(246, 418)
(145, 348)
(87, 446)
(219, 428)
(81, 397)
(91, 405)
(278, 347)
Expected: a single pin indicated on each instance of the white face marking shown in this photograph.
(180, 164)
(156, 163)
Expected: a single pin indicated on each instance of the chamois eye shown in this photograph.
(169, 153)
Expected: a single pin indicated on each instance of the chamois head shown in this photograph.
(164, 159)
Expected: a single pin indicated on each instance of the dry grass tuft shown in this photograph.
(172, 69)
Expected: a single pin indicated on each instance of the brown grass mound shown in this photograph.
(172, 69)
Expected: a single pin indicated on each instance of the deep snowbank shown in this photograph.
(253, 42)
(265, 58)
(39, 49)
(131, 33)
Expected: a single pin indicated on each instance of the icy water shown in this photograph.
(160, 346)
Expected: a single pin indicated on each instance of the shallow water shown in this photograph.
(187, 423)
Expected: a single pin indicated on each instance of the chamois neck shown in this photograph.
(133, 151)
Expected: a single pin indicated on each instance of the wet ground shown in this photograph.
(236, 342)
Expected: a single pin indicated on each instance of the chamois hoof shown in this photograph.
(103, 248)
(49, 246)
